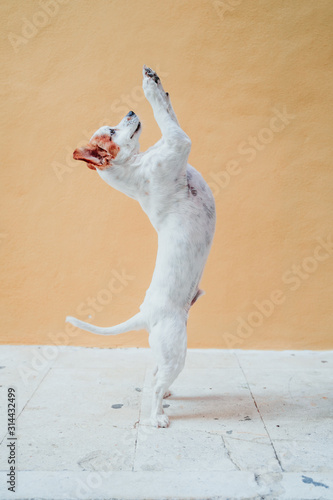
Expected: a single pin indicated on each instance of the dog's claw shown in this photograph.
(160, 421)
(151, 74)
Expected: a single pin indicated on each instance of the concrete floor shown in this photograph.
(244, 425)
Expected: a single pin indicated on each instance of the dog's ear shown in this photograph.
(93, 155)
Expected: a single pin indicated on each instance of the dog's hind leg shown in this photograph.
(168, 341)
(154, 373)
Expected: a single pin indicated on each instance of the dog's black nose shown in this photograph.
(131, 113)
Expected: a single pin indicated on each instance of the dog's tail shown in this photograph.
(135, 323)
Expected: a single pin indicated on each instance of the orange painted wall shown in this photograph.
(251, 83)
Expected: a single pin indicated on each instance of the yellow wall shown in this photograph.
(231, 68)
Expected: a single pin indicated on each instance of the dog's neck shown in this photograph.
(132, 178)
(124, 176)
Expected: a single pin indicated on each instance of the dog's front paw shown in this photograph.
(152, 86)
(161, 420)
(149, 73)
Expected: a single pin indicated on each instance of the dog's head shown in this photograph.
(111, 145)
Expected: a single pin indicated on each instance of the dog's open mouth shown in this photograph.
(136, 130)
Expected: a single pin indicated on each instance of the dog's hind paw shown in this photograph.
(160, 420)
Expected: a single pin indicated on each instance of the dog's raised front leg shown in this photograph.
(163, 111)
(156, 95)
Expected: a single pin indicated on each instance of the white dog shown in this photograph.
(181, 208)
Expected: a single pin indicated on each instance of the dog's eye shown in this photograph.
(112, 131)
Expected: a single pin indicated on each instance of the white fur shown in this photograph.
(181, 208)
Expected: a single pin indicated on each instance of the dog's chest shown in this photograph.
(158, 200)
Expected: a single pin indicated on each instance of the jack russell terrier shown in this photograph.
(180, 207)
